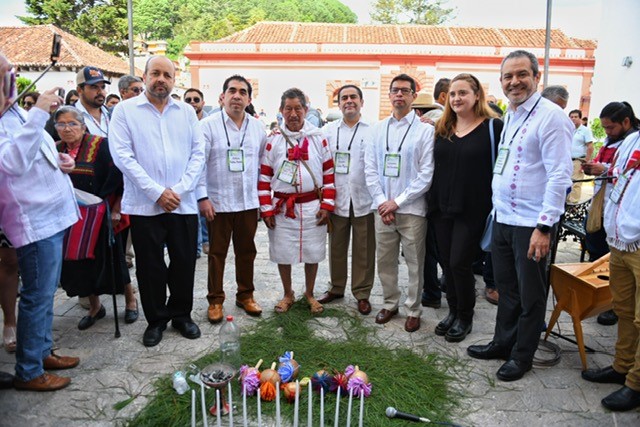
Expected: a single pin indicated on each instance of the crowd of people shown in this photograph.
(420, 184)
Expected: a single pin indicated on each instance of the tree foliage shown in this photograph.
(423, 12)
(104, 22)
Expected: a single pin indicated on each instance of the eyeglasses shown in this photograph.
(70, 125)
(403, 90)
(137, 90)
(188, 100)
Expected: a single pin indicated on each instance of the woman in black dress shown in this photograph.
(460, 196)
(94, 173)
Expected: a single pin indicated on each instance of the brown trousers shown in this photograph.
(241, 227)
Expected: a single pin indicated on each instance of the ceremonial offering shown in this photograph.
(321, 380)
(249, 378)
(268, 380)
(288, 367)
(358, 381)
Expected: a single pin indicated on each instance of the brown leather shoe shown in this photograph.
(45, 382)
(251, 307)
(364, 307)
(385, 315)
(214, 313)
(53, 362)
(412, 324)
(328, 297)
(491, 295)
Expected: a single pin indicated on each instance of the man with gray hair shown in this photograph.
(556, 94)
(130, 86)
(530, 177)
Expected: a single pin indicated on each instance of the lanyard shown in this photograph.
(224, 125)
(521, 124)
(405, 134)
(350, 142)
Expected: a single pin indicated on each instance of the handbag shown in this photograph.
(487, 234)
(594, 216)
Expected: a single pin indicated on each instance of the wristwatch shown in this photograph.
(543, 228)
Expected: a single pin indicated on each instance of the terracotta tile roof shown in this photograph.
(304, 32)
(31, 46)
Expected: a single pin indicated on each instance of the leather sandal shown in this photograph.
(285, 304)
(315, 306)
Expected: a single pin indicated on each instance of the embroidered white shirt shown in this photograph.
(416, 163)
(231, 191)
(533, 185)
(156, 151)
(350, 187)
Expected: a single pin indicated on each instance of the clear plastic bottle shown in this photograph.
(180, 382)
(230, 343)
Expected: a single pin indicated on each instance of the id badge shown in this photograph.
(392, 165)
(287, 172)
(501, 161)
(342, 162)
(235, 159)
(618, 189)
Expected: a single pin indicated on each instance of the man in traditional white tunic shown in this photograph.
(298, 168)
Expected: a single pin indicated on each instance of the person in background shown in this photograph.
(37, 205)
(29, 100)
(71, 98)
(460, 195)
(111, 101)
(556, 94)
(581, 152)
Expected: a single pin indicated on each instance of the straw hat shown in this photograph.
(424, 100)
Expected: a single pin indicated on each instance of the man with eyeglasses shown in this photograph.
(399, 169)
(130, 86)
(228, 194)
(92, 90)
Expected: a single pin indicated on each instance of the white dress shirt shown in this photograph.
(231, 191)
(94, 127)
(416, 163)
(351, 187)
(533, 185)
(37, 199)
(156, 151)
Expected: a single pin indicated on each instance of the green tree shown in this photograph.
(423, 12)
(22, 83)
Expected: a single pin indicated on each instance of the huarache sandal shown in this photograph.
(315, 306)
(285, 304)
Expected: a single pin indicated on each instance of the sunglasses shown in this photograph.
(188, 100)
(29, 104)
(136, 90)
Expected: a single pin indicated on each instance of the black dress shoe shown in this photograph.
(87, 321)
(187, 328)
(513, 370)
(608, 318)
(458, 331)
(153, 335)
(605, 375)
(6, 380)
(622, 400)
(435, 303)
(445, 324)
(131, 316)
(488, 351)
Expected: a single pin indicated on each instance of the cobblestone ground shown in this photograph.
(112, 370)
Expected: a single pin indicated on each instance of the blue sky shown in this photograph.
(577, 18)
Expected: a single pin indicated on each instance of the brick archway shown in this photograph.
(422, 82)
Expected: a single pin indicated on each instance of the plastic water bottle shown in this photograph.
(230, 343)
(180, 382)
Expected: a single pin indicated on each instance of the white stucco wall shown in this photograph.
(620, 36)
(63, 79)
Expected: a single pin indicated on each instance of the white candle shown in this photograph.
(296, 405)
(360, 423)
(337, 408)
(244, 405)
(193, 408)
(349, 407)
(309, 409)
(321, 406)
(230, 404)
(259, 410)
(277, 404)
(218, 409)
(205, 422)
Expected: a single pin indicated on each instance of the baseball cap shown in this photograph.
(90, 76)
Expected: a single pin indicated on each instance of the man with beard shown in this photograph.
(298, 167)
(399, 169)
(228, 194)
(91, 87)
(158, 145)
(348, 139)
(195, 98)
(531, 174)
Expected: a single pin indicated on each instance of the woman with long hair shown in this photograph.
(460, 196)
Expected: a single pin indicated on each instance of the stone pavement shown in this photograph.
(112, 370)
